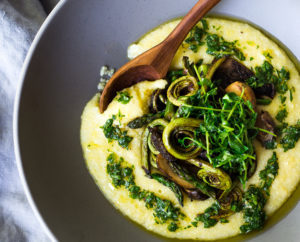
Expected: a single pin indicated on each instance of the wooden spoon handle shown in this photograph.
(177, 36)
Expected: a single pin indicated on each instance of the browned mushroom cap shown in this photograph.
(164, 166)
(266, 122)
(232, 70)
(196, 194)
(267, 90)
(238, 88)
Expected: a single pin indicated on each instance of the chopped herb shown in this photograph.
(266, 74)
(204, 24)
(267, 55)
(113, 132)
(268, 174)
(265, 101)
(282, 99)
(251, 58)
(291, 93)
(175, 74)
(218, 47)
(282, 114)
(195, 37)
(224, 220)
(290, 136)
(170, 184)
(140, 122)
(122, 175)
(172, 227)
(255, 198)
(271, 144)
(254, 214)
(124, 97)
(205, 217)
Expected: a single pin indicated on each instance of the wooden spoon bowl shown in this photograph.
(154, 63)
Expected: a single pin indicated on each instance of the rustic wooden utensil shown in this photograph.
(154, 63)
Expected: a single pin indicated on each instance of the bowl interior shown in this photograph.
(62, 76)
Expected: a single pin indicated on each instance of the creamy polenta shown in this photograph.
(255, 47)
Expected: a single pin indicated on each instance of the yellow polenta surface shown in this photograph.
(96, 147)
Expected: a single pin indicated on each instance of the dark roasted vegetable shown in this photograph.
(214, 177)
(231, 70)
(145, 149)
(265, 121)
(240, 88)
(267, 90)
(203, 155)
(145, 152)
(195, 194)
(144, 120)
(182, 176)
(156, 140)
(235, 196)
(181, 129)
(214, 67)
(188, 66)
(170, 184)
(181, 89)
(157, 101)
(164, 167)
(153, 160)
(169, 111)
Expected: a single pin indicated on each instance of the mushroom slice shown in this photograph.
(266, 122)
(238, 88)
(195, 194)
(145, 148)
(164, 167)
(267, 90)
(182, 177)
(232, 70)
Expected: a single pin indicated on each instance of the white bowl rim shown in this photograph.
(17, 100)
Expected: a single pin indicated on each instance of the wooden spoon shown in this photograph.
(154, 63)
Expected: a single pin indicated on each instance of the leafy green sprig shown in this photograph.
(228, 128)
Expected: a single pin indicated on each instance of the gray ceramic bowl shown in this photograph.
(61, 74)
